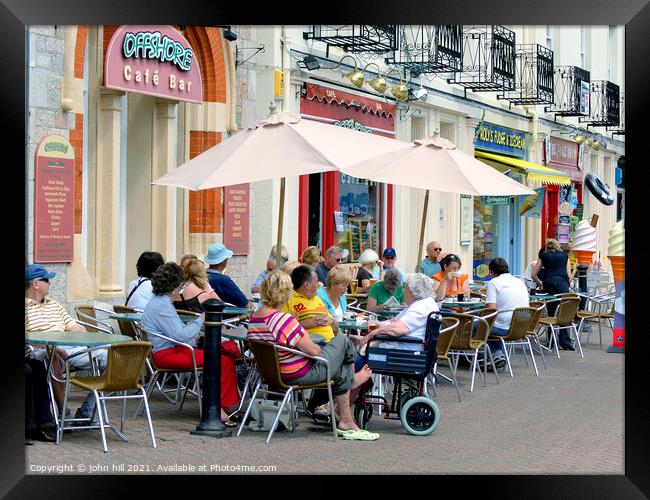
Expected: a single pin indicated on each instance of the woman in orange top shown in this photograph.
(450, 282)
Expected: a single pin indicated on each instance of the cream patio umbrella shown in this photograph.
(436, 164)
(281, 145)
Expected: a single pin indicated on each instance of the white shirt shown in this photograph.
(142, 295)
(415, 318)
(507, 292)
(338, 313)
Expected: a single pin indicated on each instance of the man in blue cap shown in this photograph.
(217, 260)
(43, 314)
(389, 258)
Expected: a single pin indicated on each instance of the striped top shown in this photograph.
(47, 316)
(282, 328)
(302, 308)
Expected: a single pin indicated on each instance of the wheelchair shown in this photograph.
(410, 402)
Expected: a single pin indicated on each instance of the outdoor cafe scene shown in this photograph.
(318, 253)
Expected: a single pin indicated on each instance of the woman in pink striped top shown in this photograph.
(270, 324)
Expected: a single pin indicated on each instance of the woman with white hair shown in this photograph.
(368, 260)
(412, 321)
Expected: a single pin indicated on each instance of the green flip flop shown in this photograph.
(361, 435)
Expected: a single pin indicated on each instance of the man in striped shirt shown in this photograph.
(43, 314)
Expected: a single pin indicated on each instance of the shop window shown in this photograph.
(357, 228)
(484, 229)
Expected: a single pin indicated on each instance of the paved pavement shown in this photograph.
(569, 420)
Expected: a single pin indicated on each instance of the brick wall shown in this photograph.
(206, 207)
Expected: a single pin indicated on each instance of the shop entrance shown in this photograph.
(315, 210)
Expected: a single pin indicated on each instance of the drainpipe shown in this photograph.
(285, 61)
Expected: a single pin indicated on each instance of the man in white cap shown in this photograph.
(217, 260)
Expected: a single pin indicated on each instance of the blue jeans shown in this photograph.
(495, 345)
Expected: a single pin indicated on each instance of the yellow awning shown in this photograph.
(533, 171)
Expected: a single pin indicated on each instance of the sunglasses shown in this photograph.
(340, 259)
(437, 249)
(44, 279)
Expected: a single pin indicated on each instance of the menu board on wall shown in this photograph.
(236, 219)
(54, 200)
(362, 234)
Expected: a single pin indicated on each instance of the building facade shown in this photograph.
(124, 139)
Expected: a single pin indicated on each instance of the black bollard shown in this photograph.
(582, 284)
(211, 424)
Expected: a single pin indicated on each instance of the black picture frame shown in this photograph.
(634, 14)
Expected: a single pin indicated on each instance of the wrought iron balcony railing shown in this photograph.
(571, 96)
(488, 59)
(534, 76)
(355, 37)
(620, 129)
(605, 105)
(428, 49)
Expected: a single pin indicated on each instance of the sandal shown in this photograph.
(230, 423)
(361, 435)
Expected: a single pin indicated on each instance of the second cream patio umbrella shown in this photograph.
(281, 145)
(436, 164)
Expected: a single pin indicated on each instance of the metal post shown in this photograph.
(582, 284)
(211, 424)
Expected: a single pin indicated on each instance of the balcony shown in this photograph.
(534, 76)
(605, 105)
(355, 37)
(428, 49)
(488, 59)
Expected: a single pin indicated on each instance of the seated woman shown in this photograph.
(369, 261)
(311, 256)
(139, 291)
(160, 317)
(412, 321)
(195, 289)
(450, 282)
(381, 291)
(333, 293)
(271, 324)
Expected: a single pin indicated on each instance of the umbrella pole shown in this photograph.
(424, 221)
(278, 246)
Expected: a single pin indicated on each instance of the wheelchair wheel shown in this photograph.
(363, 414)
(420, 416)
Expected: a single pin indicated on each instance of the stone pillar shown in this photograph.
(163, 206)
(107, 218)
(532, 226)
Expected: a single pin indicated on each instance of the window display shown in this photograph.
(358, 205)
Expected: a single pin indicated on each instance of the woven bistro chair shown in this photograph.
(522, 317)
(268, 366)
(563, 319)
(124, 365)
(540, 308)
(126, 327)
(157, 372)
(445, 338)
(467, 344)
(88, 314)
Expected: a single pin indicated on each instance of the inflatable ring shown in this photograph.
(599, 189)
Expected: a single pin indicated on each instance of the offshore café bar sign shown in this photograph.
(153, 60)
(54, 200)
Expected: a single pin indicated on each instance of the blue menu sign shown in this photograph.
(490, 137)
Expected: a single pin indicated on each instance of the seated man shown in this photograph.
(270, 266)
(389, 258)
(43, 314)
(504, 292)
(430, 265)
(412, 321)
(217, 259)
(381, 291)
(304, 305)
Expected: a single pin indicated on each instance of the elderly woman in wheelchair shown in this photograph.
(405, 348)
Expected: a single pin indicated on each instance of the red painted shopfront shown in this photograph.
(564, 156)
(364, 208)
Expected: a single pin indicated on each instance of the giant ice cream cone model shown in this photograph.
(584, 242)
(616, 251)
(616, 254)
